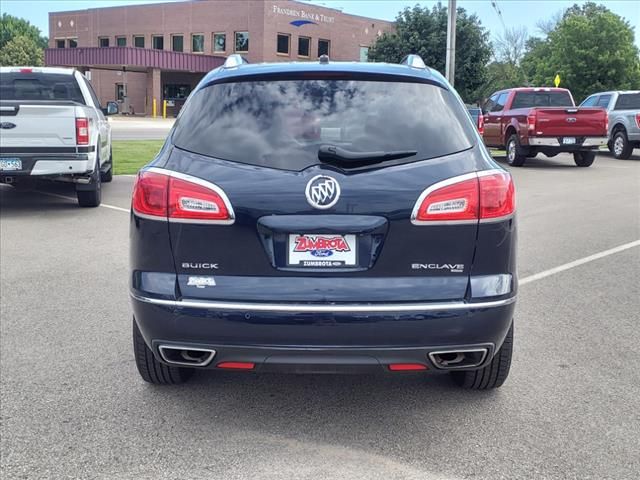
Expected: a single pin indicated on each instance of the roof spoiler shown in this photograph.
(234, 60)
(414, 61)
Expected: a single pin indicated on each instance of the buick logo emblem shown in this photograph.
(7, 125)
(322, 192)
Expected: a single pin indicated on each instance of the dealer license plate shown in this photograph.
(10, 164)
(569, 140)
(321, 251)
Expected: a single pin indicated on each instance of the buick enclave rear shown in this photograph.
(324, 217)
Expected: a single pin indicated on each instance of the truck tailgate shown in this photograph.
(570, 121)
(37, 125)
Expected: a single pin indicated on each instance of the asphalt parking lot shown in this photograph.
(73, 405)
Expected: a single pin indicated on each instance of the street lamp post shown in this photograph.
(451, 42)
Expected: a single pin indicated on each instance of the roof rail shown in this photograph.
(234, 60)
(414, 61)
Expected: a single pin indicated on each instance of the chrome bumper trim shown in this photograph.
(325, 308)
(553, 142)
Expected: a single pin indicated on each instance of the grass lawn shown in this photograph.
(130, 155)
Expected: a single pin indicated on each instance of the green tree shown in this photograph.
(11, 27)
(21, 50)
(424, 32)
(591, 48)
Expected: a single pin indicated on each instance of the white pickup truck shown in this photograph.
(53, 127)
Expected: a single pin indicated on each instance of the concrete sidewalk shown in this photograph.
(140, 128)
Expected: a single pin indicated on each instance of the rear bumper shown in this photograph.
(324, 338)
(51, 165)
(588, 142)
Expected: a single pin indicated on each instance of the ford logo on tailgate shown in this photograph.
(7, 125)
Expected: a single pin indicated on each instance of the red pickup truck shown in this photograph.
(528, 121)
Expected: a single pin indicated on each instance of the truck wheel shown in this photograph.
(106, 177)
(514, 156)
(150, 369)
(91, 195)
(622, 148)
(491, 376)
(584, 159)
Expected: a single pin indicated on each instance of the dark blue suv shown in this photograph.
(324, 217)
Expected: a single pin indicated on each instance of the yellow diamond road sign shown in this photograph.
(556, 80)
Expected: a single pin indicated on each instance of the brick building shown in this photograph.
(138, 53)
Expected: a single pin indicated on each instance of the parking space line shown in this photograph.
(576, 263)
(105, 205)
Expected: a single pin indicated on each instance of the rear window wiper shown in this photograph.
(335, 154)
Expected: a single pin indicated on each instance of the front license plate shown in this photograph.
(569, 140)
(10, 164)
(321, 251)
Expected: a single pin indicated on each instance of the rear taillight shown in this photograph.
(165, 195)
(637, 120)
(82, 131)
(531, 121)
(482, 196)
(481, 124)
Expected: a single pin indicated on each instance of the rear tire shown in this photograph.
(106, 177)
(621, 147)
(584, 159)
(515, 158)
(91, 195)
(494, 374)
(150, 369)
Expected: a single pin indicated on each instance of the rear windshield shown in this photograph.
(282, 124)
(542, 99)
(628, 101)
(39, 86)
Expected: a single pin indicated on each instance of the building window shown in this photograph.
(174, 91)
(197, 43)
(323, 47)
(138, 41)
(120, 92)
(177, 43)
(282, 44)
(304, 46)
(219, 42)
(242, 42)
(121, 41)
(103, 42)
(157, 42)
(60, 43)
(73, 43)
(364, 54)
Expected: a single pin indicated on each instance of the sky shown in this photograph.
(515, 13)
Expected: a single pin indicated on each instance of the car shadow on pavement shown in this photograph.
(39, 199)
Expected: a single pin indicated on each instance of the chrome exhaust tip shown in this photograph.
(457, 359)
(186, 356)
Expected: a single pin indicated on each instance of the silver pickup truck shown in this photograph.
(623, 108)
(53, 127)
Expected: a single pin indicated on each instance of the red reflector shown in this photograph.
(188, 200)
(237, 365)
(497, 195)
(449, 201)
(406, 367)
(150, 194)
(82, 131)
(26, 70)
(638, 119)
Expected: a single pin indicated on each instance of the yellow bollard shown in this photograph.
(164, 109)
(155, 108)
